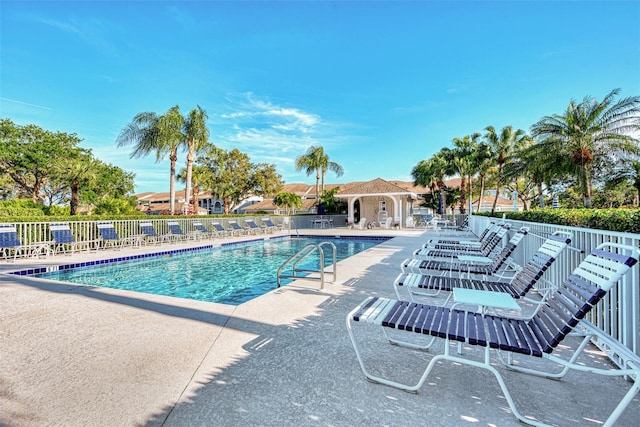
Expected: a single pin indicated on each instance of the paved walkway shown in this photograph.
(81, 356)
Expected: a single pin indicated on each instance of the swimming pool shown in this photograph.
(231, 274)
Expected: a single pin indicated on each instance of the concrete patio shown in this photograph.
(82, 356)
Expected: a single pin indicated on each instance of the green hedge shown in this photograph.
(623, 220)
(39, 217)
(5, 213)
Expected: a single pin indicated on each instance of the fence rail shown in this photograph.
(619, 313)
(87, 230)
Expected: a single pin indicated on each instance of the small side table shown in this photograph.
(484, 299)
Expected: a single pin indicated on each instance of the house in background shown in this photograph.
(375, 200)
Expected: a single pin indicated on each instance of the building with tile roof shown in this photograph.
(375, 200)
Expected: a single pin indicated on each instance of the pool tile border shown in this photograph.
(51, 268)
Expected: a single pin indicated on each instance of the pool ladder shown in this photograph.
(301, 255)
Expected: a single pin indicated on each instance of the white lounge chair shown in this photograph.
(64, 240)
(252, 227)
(510, 338)
(236, 229)
(270, 225)
(466, 264)
(220, 231)
(424, 287)
(10, 243)
(109, 237)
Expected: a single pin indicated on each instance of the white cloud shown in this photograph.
(269, 132)
(64, 26)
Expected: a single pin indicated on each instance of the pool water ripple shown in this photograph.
(228, 275)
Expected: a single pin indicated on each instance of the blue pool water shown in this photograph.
(229, 275)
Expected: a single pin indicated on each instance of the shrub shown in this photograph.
(622, 220)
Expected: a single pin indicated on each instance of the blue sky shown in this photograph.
(380, 85)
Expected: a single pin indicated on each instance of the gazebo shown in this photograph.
(378, 200)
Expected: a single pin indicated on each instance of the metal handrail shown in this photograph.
(301, 255)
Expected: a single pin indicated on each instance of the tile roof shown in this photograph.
(376, 186)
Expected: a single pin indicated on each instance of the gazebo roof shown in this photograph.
(376, 187)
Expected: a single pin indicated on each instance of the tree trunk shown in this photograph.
(196, 198)
(172, 182)
(187, 190)
(443, 199)
(587, 196)
(481, 197)
(540, 195)
(463, 194)
(499, 181)
(73, 205)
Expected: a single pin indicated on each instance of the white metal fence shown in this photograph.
(37, 232)
(619, 313)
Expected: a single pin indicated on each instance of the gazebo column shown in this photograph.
(351, 201)
(397, 210)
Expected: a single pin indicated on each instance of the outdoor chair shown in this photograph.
(252, 227)
(109, 237)
(465, 264)
(219, 230)
(537, 336)
(175, 231)
(63, 239)
(269, 224)
(10, 244)
(491, 228)
(362, 223)
(446, 250)
(149, 234)
(201, 231)
(236, 229)
(427, 287)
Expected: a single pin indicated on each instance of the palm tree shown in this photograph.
(463, 161)
(502, 145)
(201, 178)
(160, 134)
(315, 160)
(629, 171)
(589, 132)
(482, 163)
(536, 165)
(431, 173)
(196, 136)
(77, 171)
(288, 200)
(325, 165)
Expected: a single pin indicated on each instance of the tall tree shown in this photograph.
(502, 145)
(328, 165)
(462, 158)
(288, 201)
(628, 170)
(234, 178)
(535, 165)
(196, 137)
(77, 171)
(201, 178)
(315, 160)
(433, 171)
(588, 132)
(482, 160)
(162, 135)
(28, 153)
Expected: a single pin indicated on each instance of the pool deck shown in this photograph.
(82, 356)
